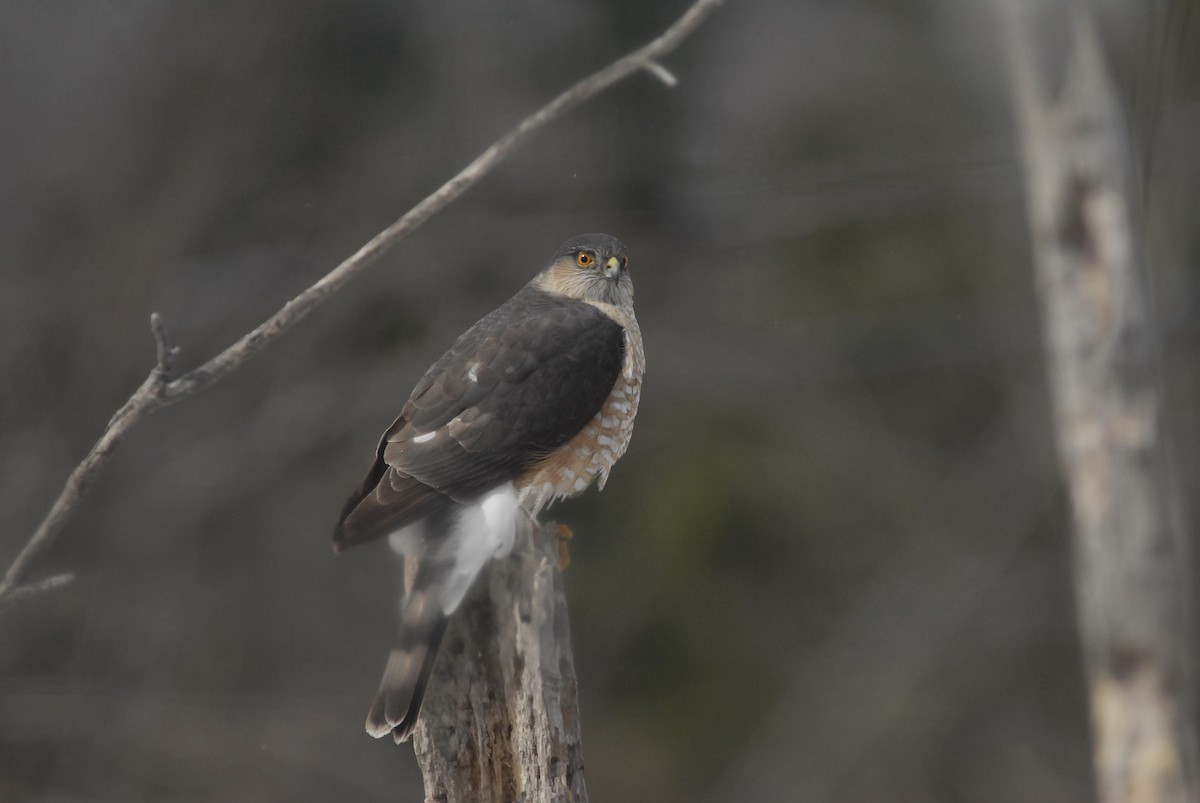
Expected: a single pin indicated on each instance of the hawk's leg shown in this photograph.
(562, 533)
(564, 555)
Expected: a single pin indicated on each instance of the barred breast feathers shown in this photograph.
(590, 455)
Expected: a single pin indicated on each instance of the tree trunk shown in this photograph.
(500, 721)
(1130, 571)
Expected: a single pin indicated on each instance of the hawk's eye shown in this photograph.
(624, 262)
(583, 259)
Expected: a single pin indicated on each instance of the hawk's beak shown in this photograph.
(612, 268)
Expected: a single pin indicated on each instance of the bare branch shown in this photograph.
(304, 303)
(661, 73)
(1130, 578)
(166, 355)
(155, 392)
(37, 587)
(145, 398)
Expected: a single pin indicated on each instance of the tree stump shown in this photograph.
(500, 720)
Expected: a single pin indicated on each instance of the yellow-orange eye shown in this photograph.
(583, 259)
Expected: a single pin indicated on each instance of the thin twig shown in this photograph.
(166, 355)
(37, 587)
(156, 392)
(661, 73)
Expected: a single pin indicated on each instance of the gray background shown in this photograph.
(833, 564)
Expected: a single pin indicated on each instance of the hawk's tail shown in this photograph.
(451, 547)
(402, 689)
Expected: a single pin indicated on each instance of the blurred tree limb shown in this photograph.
(159, 390)
(503, 724)
(1130, 575)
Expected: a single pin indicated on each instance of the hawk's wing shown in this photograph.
(518, 384)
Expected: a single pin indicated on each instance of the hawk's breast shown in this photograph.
(570, 469)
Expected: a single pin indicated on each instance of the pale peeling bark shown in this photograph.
(1130, 569)
(500, 721)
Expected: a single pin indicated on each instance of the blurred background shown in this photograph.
(833, 564)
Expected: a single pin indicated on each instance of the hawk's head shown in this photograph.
(591, 267)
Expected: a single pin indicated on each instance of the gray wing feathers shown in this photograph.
(518, 384)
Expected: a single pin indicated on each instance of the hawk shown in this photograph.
(533, 403)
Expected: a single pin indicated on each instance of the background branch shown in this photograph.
(33, 589)
(1130, 574)
(157, 392)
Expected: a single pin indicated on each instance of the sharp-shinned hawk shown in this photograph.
(532, 404)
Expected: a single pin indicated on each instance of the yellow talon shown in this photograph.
(564, 554)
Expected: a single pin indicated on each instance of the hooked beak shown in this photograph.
(612, 268)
